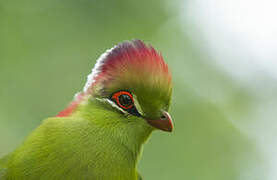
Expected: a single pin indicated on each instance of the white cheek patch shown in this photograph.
(107, 101)
(137, 105)
(114, 105)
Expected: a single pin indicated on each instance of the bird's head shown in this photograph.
(133, 79)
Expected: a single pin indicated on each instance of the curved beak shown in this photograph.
(163, 123)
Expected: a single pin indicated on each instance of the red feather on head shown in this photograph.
(127, 56)
(130, 58)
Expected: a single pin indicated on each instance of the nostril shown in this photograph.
(163, 117)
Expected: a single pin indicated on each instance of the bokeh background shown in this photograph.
(222, 55)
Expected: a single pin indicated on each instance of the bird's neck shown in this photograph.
(122, 149)
(120, 141)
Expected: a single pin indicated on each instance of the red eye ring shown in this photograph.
(116, 97)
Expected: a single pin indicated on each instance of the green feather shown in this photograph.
(94, 138)
(82, 146)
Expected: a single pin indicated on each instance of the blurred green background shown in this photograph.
(47, 48)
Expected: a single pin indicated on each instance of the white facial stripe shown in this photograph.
(105, 100)
(114, 105)
(137, 105)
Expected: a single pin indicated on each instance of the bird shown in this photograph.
(101, 133)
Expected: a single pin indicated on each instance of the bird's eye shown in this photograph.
(123, 99)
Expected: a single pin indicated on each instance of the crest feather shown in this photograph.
(128, 65)
(129, 56)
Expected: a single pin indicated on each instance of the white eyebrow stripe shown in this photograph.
(106, 100)
(137, 105)
(114, 105)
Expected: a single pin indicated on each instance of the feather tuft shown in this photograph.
(127, 59)
(129, 65)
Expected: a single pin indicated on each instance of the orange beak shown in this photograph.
(163, 123)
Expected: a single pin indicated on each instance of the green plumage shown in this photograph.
(81, 147)
(96, 138)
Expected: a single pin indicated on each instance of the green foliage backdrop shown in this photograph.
(47, 48)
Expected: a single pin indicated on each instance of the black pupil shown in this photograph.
(125, 100)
